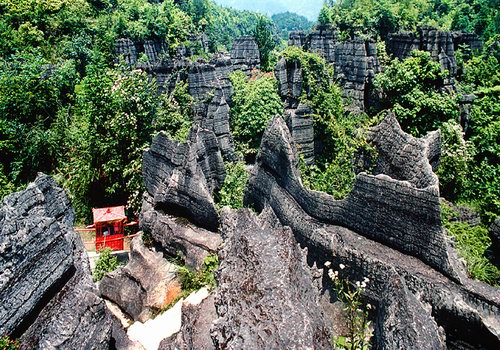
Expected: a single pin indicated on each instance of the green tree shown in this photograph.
(264, 37)
(256, 101)
(412, 89)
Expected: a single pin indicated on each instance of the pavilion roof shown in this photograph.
(109, 214)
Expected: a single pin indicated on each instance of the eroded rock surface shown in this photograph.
(267, 297)
(144, 286)
(196, 325)
(245, 54)
(355, 62)
(181, 177)
(388, 229)
(48, 298)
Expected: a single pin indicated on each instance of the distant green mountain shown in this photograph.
(309, 8)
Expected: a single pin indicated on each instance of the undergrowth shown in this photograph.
(471, 243)
(105, 263)
(6, 343)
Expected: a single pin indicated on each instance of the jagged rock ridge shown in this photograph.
(48, 298)
(416, 278)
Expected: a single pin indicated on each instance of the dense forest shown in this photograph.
(72, 108)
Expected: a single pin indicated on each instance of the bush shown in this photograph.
(256, 101)
(412, 89)
(471, 244)
(105, 263)
(192, 281)
(456, 153)
(6, 343)
(232, 192)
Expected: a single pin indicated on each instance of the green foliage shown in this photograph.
(377, 18)
(6, 343)
(286, 22)
(256, 101)
(192, 281)
(173, 113)
(232, 192)
(342, 135)
(471, 243)
(456, 154)
(264, 37)
(105, 263)
(358, 325)
(411, 88)
(111, 127)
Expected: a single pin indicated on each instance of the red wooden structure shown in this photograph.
(108, 224)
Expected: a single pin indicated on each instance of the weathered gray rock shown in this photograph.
(289, 76)
(178, 236)
(389, 230)
(211, 110)
(438, 43)
(144, 286)
(301, 125)
(355, 66)
(48, 298)
(180, 177)
(267, 298)
(126, 48)
(297, 38)
(196, 324)
(355, 62)
(245, 54)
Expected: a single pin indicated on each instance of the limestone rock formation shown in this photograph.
(211, 109)
(289, 76)
(196, 325)
(301, 125)
(144, 286)
(180, 177)
(48, 298)
(267, 298)
(355, 62)
(388, 228)
(245, 54)
(441, 45)
(178, 236)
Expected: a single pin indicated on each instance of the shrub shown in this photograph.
(412, 89)
(456, 153)
(256, 101)
(358, 324)
(232, 191)
(471, 244)
(7, 343)
(192, 281)
(105, 263)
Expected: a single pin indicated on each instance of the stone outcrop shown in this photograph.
(355, 66)
(196, 326)
(387, 228)
(245, 54)
(144, 286)
(355, 62)
(211, 110)
(181, 177)
(289, 77)
(441, 45)
(267, 298)
(301, 125)
(48, 298)
(178, 236)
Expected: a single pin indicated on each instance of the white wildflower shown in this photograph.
(342, 266)
(327, 264)
(369, 306)
(363, 284)
(358, 284)
(366, 280)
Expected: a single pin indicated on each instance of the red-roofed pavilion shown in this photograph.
(109, 223)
